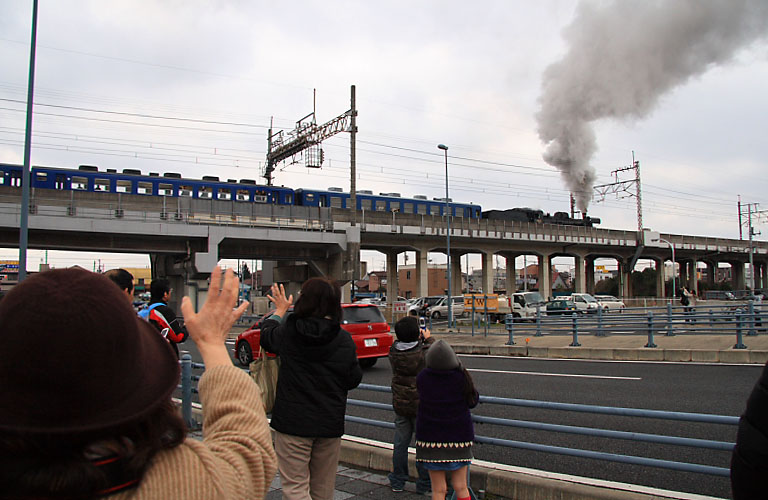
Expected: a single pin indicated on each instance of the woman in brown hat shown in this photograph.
(86, 410)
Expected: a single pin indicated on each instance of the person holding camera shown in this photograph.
(407, 358)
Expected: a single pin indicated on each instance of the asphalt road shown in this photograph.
(684, 387)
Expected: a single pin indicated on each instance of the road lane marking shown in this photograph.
(544, 374)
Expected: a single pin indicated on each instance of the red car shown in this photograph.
(364, 322)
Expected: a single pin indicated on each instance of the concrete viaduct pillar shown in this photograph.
(422, 272)
(455, 274)
(589, 274)
(711, 272)
(511, 282)
(661, 290)
(488, 272)
(625, 273)
(545, 277)
(580, 286)
(392, 288)
(737, 275)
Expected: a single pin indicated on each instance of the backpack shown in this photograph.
(684, 300)
(144, 313)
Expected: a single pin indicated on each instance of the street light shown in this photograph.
(447, 238)
(673, 263)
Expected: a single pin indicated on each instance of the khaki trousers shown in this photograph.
(307, 466)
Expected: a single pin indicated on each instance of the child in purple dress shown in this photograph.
(444, 433)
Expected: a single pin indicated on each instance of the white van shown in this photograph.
(417, 305)
(440, 310)
(585, 303)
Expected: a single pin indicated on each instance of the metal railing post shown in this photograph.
(670, 329)
(186, 389)
(473, 315)
(751, 332)
(575, 342)
(538, 321)
(711, 318)
(485, 315)
(509, 321)
(650, 330)
(600, 332)
(739, 338)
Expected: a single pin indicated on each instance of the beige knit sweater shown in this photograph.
(235, 459)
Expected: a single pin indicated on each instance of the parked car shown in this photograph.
(364, 322)
(418, 305)
(585, 302)
(440, 310)
(562, 306)
(609, 303)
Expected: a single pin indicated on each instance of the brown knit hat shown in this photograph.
(75, 357)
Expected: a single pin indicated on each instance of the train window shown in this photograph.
(41, 177)
(79, 183)
(143, 187)
(225, 194)
(366, 204)
(381, 205)
(394, 206)
(336, 202)
(259, 197)
(205, 193)
(124, 186)
(101, 185)
(243, 195)
(61, 181)
(289, 198)
(408, 208)
(309, 197)
(185, 190)
(165, 189)
(421, 208)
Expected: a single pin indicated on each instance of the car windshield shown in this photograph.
(353, 315)
(533, 298)
(431, 301)
(588, 298)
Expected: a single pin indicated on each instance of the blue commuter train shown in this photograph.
(91, 179)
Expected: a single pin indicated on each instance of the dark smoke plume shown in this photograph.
(622, 57)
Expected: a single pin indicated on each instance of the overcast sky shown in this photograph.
(468, 75)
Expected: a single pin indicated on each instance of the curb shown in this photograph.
(495, 483)
(733, 356)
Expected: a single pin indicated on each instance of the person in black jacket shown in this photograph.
(749, 462)
(406, 356)
(162, 316)
(318, 366)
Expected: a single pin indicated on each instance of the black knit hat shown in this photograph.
(75, 357)
(407, 329)
(440, 356)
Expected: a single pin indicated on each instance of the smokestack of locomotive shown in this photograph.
(621, 58)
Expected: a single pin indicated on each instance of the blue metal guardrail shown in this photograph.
(739, 319)
(187, 389)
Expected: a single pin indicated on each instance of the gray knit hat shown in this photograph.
(440, 356)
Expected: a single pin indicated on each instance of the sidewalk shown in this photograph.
(356, 484)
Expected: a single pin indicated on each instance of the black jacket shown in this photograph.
(406, 364)
(318, 365)
(749, 462)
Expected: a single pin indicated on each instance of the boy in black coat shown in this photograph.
(406, 356)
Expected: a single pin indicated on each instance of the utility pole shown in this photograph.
(751, 208)
(25, 174)
(622, 189)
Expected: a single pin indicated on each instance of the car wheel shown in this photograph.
(436, 315)
(244, 353)
(367, 362)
